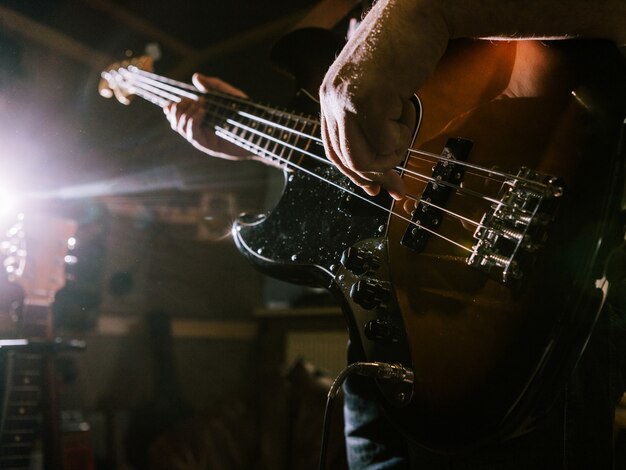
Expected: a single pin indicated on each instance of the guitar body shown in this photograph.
(489, 357)
(487, 278)
(492, 357)
(30, 421)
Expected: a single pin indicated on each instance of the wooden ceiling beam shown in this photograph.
(233, 45)
(125, 17)
(50, 38)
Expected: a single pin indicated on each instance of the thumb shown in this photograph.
(201, 82)
(204, 84)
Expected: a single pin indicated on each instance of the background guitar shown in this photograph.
(34, 258)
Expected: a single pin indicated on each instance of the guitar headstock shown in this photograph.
(115, 80)
(34, 255)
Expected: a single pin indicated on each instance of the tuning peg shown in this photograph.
(153, 50)
(114, 84)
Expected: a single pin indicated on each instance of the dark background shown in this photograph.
(153, 213)
(57, 130)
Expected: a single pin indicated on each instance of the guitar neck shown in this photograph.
(26, 406)
(276, 135)
(29, 425)
(21, 424)
(36, 322)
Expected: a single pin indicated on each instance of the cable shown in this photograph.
(377, 370)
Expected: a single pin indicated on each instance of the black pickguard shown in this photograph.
(320, 215)
(303, 238)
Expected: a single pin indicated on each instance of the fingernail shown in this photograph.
(371, 190)
(396, 196)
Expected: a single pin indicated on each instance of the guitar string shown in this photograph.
(237, 140)
(153, 83)
(163, 97)
(417, 176)
(424, 201)
(169, 97)
(144, 75)
(304, 152)
(148, 84)
(242, 142)
(422, 178)
(413, 153)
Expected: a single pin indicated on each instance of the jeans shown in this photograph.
(372, 442)
(576, 435)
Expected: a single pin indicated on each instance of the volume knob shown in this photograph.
(369, 294)
(359, 261)
(381, 331)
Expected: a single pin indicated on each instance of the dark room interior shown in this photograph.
(158, 345)
(175, 323)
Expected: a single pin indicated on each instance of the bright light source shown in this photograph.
(7, 202)
(9, 206)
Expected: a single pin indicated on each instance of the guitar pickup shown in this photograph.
(446, 177)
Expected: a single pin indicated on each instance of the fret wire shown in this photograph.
(293, 140)
(307, 142)
(265, 138)
(278, 148)
(272, 139)
(296, 118)
(21, 408)
(241, 132)
(251, 126)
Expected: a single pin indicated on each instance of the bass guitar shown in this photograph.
(486, 280)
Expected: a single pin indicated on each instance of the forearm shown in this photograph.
(400, 42)
(365, 96)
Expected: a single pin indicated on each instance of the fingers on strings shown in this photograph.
(205, 83)
(361, 165)
(184, 116)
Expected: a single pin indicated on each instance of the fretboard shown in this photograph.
(270, 133)
(277, 135)
(21, 424)
(24, 379)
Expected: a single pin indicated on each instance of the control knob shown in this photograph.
(370, 294)
(359, 261)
